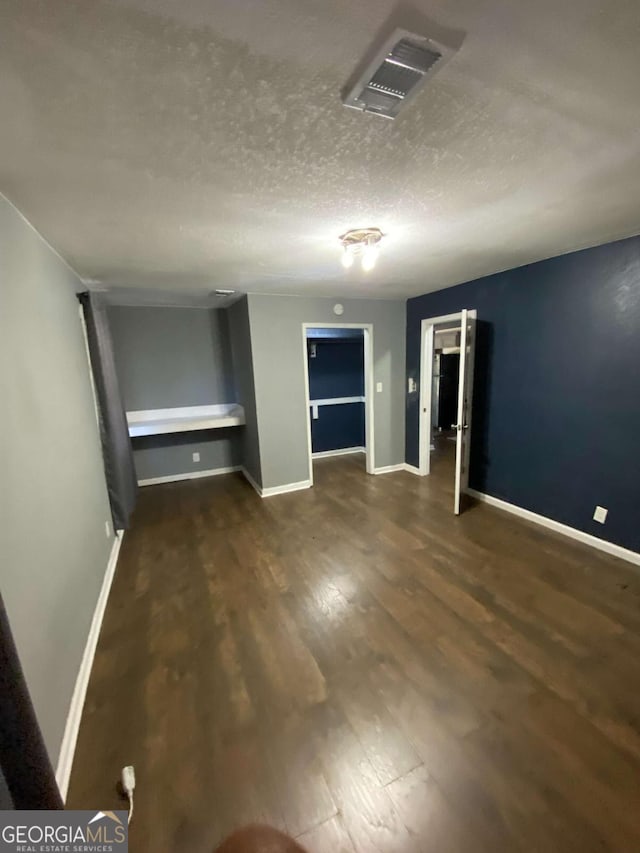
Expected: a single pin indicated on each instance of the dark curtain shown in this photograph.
(28, 775)
(114, 433)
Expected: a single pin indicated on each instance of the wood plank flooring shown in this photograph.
(359, 667)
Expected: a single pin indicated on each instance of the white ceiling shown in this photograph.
(191, 144)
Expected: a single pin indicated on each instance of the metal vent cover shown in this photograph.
(395, 74)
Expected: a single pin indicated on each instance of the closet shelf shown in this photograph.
(159, 421)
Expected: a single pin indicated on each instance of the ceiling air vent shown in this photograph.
(397, 71)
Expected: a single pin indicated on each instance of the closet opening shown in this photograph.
(338, 376)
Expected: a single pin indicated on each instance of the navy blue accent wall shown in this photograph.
(337, 371)
(337, 427)
(556, 407)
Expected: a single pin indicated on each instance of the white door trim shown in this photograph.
(369, 430)
(426, 384)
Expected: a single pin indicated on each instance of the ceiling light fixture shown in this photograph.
(362, 242)
(370, 255)
(347, 258)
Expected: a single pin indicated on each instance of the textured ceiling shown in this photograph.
(193, 144)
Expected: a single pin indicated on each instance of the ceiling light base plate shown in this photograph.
(358, 238)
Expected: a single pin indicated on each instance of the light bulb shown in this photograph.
(347, 258)
(369, 258)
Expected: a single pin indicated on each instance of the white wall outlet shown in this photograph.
(600, 514)
(196, 456)
(107, 528)
(411, 385)
(379, 387)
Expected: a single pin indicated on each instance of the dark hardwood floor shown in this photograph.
(357, 666)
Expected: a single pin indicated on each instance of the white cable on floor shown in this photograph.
(128, 785)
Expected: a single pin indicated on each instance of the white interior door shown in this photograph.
(465, 396)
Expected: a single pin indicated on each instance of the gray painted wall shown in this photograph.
(278, 365)
(174, 357)
(241, 347)
(169, 357)
(53, 500)
(168, 455)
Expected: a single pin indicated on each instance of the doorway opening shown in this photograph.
(446, 391)
(444, 401)
(338, 362)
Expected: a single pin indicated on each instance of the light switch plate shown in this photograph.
(379, 387)
(600, 514)
(196, 456)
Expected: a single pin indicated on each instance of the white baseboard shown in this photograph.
(276, 490)
(251, 481)
(343, 451)
(412, 469)
(70, 737)
(558, 527)
(388, 469)
(191, 475)
(286, 487)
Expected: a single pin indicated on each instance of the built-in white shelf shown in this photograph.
(332, 401)
(336, 401)
(186, 419)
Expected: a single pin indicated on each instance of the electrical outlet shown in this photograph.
(379, 387)
(412, 387)
(107, 529)
(600, 514)
(196, 456)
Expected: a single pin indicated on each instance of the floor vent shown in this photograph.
(395, 74)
